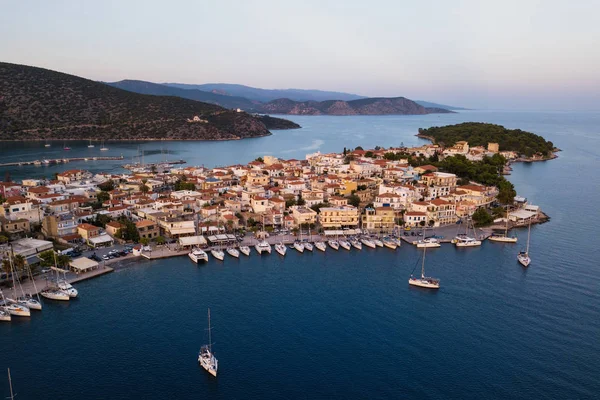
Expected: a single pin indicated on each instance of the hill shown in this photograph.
(367, 106)
(480, 134)
(156, 89)
(266, 95)
(37, 103)
(429, 104)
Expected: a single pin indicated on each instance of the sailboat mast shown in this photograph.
(12, 395)
(506, 228)
(528, 236)
(423, 263)
(209, 335)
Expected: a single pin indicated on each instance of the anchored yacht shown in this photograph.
(368, 242)
(263, 246)
(218, 254)
(299, 246)
(198, 255)
(428, 243)
(233, 252)
(206, 358)
(308, 246)
(424, 281)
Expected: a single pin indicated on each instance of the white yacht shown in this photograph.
(55, 294)
(427, 243)
(299, 246)
(356, 244)
(67, 288)
(281, 249)
(197, 255)
(233, 252)
(30, 303)
(103, 148)
(4, 315)
(308, 246)
(17, 310)
(466, 241)
(321, 246)
(378, 242)
(47, 145)
(334, 244)
(245, 250)
(263, 246)
(91, 145)
(390, 243)
(424, 281)
(344, 244)
(523, 256)
(206, 358)
(218, 254)
(368, 242)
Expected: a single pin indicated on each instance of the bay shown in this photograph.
(338, 324)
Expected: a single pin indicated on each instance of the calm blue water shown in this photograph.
(343, 324)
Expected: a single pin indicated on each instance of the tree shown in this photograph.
(358, 148)
(369, 154)
(317, 207)
(431, 223)
(301, 201)
(107, 186)
(482, 217)
(159, 240)
(144, 241)
(3, 239)
(422, 223)
(353, 200)
(102, 196)
(2, 199)
(259, 159)
(289, 203)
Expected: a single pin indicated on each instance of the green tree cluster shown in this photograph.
(482, 217)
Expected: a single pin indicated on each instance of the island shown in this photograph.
(40, 104)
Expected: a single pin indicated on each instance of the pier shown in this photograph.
(59, 161)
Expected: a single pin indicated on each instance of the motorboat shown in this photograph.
(233, 252)
(67, 288)
(245, 250)
(308, 246)
(299, 246)
(378, 242)
(206, 358)
(344, 244)
(198, 255)
(424, 281)
(218, 254)
(466, 241)
(334, 244)
(55, 294)
(263, 246)
(390, 243)
(321, 246)
(427, 243)
(356, 244)
(281, 249)
(368, 242)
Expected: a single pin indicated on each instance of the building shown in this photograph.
(415, 218)
(147, 229)
(438, 184)
(60, 226)
(113, 227)
(14, 228)
(337, 217)
(303, 215)
(493, 147)
(379, 220)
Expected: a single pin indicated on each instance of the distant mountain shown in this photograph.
(266, 95)
(37, 103)
(368, 106)
(192, 94)
(436, 105)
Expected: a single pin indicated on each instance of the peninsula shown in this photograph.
(40, 104)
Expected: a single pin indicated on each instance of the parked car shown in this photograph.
(106, 257)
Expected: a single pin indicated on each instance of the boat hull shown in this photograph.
(389, 245)
(524, 261)
(5, 316)
(56, 296)
(308, 246)
(299, 247)
(473, 243)
(423, 283)
(428, 245)
(18, 310)
(334, 245)
(345, 245)
(245, 250)
(502, 239)
(219, 255)
(233, 253)
(321, 246)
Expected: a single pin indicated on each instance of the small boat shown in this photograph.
(368, 242)
(356, 244)
(206, 358)
(378, 242)
(4, 315)
(424, 281)
(281, 249)
(523, 256)
(465, 241)
(47, 145)
(427, 243)
(55, 294)
(17, 310)
(263, 246)
(103, 148)
(334, 244)
(308, 246)
(299, 246)
(218, 254)
(30, 303)
(320, 246)
(91, 145)
(245, 250)
(197, 255)
(67, 288)
(344, 244)
(233, 252)
(390, 243)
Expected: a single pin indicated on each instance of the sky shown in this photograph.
(479, 54)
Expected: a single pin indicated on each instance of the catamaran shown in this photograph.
(424, 281)
(206, 358)
(503, 238)
(197, 255)
(281, 249)
(263, 246)
(523, 256)
(245, 250)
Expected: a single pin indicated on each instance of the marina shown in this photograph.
(59, 161)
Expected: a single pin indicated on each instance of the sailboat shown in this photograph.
(12, 306)
(344, 244)
(281, 249)
(54, 292)
(523, 256)
(356, 243)
(390, 243)
(333, 244)
(12, 395)
(91, 145)
(65, 147)
(424, 281)
(308, 246)
(503, 238)
(245, 250)
(47, 144)
(233, 252)
(4, 314)
(321, 246)
(464, 240)
(298, 245)
(206, 358)
(368, 242)
(218, 254)
(263, 245)
(103, 148)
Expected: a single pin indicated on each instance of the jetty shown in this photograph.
(59, 161)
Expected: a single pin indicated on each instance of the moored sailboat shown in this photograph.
(424, 281)
(218, 254)
(321, 246)
(245, 250)
(503, 238)
(299, 246)
(523, 256)
(281, 249)
(206, 358)
(334, 244)
(233, 252)
(344, 244)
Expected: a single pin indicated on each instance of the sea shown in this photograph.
(345, 324)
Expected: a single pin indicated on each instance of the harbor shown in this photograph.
(55, 161)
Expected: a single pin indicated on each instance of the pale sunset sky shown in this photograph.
(477, 54)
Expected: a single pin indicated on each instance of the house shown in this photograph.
(21, 207)
(62, 226)
(87, 231)
(303, 215)
(337, 217)
(10, 189)
(415, 218)
(14, 228)
(113, 227)
(147, 229)
(438, 184)
(379, 220)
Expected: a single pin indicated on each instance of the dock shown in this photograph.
(41, 280)
(59, 161)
